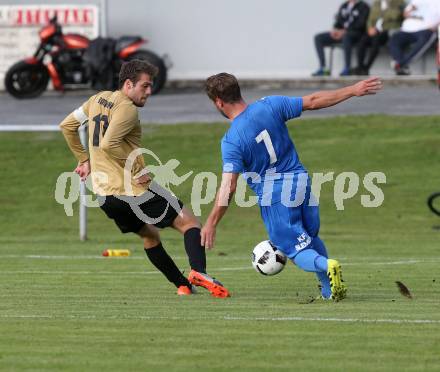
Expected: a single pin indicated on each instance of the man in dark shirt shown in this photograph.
(350, 25)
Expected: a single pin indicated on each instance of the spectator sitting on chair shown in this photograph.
(350, 25)
(418, 31)
(385, 15)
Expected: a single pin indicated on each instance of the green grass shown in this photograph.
(71, 310)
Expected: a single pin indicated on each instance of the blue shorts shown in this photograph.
(292, 229)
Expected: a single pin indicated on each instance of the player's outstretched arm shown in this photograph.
(222, 199)
(327, 98)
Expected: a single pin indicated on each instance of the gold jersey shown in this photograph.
(114, 132)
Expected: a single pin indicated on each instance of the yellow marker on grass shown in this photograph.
(116, 253)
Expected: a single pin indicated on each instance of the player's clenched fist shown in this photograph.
(83, 170)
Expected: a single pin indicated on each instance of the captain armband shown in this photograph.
(80, 115)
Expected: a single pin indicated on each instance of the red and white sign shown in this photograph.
(38, 16)
(19, 26)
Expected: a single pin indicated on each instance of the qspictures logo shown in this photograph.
(292, 190)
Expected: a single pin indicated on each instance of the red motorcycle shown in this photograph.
(69, 67)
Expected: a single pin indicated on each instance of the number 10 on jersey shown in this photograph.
(97, 130)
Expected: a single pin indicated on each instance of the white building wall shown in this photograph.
(251, 38)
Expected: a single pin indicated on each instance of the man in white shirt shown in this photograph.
(418, 31)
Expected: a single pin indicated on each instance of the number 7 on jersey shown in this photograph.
(265, 137)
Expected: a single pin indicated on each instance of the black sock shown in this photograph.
(194, 250)
(165, 264)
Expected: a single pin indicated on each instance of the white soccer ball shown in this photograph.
(267, 259)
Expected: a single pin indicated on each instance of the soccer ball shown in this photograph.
(267, 259)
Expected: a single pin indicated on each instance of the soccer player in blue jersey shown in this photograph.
(258, 145)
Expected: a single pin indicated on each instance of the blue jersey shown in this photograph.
(258, 145)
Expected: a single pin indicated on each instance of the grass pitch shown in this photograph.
(65, 308)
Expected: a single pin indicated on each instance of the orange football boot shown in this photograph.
(183, 290)
(212, 285)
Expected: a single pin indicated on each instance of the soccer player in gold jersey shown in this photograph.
(114, 133)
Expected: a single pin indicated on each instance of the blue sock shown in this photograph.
(310, 260)
(319, 247)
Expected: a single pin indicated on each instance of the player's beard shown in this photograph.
(141, 102)
(223, 113)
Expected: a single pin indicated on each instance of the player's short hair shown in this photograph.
(224, 86)
(133, 69)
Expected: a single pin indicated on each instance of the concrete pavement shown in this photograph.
(173, 106)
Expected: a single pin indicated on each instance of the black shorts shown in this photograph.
(126, 219)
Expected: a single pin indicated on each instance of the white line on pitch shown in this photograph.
(225, 318)
(402, 262)
(84, 257)
(29, 128)
(409, 261)
(57, 272)
(345, 320)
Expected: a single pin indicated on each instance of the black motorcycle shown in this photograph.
(76, 62)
